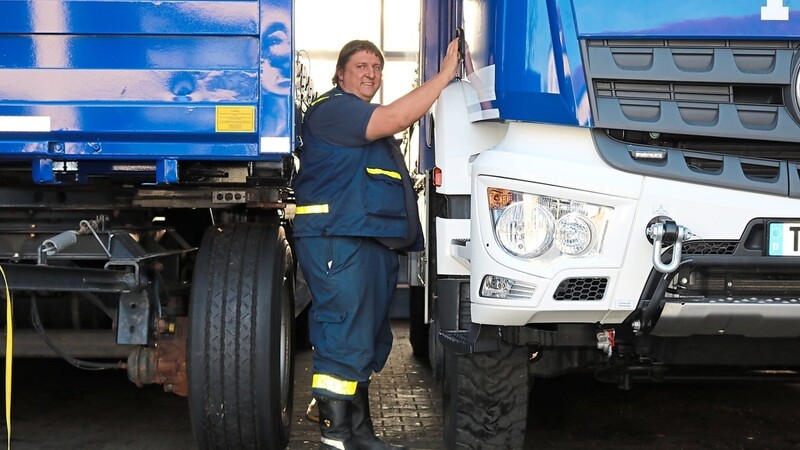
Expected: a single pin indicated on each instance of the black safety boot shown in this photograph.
(363, 435)
(335, 421)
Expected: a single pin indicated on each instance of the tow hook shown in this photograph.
(665, 232)
(606, 341)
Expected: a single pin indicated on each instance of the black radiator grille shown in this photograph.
(709, 247)
(716, 93)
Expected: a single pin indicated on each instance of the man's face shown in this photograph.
(362, 75)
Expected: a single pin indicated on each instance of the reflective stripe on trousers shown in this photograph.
(333, 384)
(312, 209)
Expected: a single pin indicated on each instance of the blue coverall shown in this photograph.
(354, 202)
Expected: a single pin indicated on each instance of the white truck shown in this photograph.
(611, 187)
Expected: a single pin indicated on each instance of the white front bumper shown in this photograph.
(563, 162)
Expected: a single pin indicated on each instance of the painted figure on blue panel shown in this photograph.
(276, 72)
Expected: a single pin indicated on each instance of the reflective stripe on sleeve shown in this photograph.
(333, 384)
(312, 209)
(388, 173)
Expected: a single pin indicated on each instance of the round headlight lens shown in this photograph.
(525, 229)
(574, 234)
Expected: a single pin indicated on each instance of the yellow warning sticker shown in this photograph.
(236, 119)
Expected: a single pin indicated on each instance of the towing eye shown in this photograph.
(664, 233)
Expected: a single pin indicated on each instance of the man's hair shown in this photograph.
(350, 49)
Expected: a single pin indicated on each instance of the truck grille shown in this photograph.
(718, 88)
(723, 113)
(709, 247)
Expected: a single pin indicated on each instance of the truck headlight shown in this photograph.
(534, 226)
(575, 234)
(525, 230)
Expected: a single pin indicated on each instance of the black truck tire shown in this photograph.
(418, 329)
(240, 356)
(486, 399)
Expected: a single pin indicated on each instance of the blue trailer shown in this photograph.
(612, 186)
(146, 158)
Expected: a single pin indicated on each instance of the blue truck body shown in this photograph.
(146, 159)
(151, 82)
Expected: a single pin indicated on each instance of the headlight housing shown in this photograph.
(531, 226)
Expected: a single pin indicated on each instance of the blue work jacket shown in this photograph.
(357, 190)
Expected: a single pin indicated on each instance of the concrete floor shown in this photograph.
(57, 407)
(406, 407)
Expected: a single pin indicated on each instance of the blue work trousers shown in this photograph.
(352, 282)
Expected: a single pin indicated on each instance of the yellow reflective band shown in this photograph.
(312, 209)
(323, 98)
(319, 100)
(332, 384)
(9, 354)
(388, 173)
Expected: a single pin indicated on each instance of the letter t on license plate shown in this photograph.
(784, 239)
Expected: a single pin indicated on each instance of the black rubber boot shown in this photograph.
(363, 432)
(335, 421)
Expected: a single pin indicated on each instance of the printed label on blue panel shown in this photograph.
(236, 119)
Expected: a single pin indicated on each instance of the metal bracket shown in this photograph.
(132, 319)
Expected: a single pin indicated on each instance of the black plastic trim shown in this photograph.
(675, 167)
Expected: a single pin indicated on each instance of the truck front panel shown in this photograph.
(690, 113)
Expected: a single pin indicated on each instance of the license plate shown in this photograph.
(784, 239)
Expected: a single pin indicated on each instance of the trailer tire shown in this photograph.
(486, 399)
(240, 356)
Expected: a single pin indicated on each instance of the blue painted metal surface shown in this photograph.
(215, 17)
(730, 19)
(534, 45)
(166, 171)
(439, 21)
(276, 64)
(534, 48)
(141, 80)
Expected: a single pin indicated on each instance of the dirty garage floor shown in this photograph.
(58, 407)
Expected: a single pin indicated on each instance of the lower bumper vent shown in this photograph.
(581, 289)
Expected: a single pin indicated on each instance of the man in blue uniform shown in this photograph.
(355, 210)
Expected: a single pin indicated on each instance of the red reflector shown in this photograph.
(437, 177)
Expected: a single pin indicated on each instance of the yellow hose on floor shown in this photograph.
(9, 353)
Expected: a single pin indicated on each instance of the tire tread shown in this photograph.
(229, 409)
